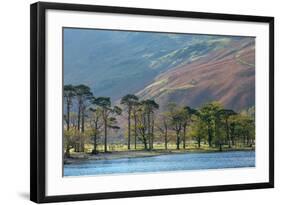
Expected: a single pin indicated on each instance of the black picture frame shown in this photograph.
(38, 101)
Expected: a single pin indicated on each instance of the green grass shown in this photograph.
(190, 147)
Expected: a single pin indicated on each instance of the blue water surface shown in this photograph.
(169, 162)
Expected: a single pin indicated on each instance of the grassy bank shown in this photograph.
(122, 152)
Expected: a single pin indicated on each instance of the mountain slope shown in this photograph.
(114, 63)
(226, 75)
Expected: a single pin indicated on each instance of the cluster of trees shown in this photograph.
(143, 115)
(211, 124)
(81, 105)
(88, 119)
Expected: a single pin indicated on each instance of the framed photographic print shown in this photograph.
(129, 102)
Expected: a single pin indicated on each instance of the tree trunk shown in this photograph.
(78, 117)
(184, 135)
(82, 121)
(199, 142)
(135, 131)
(67, 113)
(145, 144)
(220, 147)
(82, 144)
(178, 140)
(209, 136)
(166, 139)
(144, 131)
(76, 149)
(94, 151)
(152, 132)
(82, 129)
(67, 151)
(149, 131)
(105, 135)
(129, 128)
(227, 134)
(232, 141)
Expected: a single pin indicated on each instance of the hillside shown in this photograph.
(183, 68)
(226, 75)
(114, 63)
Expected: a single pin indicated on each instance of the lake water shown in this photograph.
(170, 162)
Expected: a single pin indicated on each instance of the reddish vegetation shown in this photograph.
(226, 75)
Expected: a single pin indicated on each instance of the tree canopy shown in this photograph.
(94, 120)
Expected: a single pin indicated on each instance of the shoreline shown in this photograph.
(84, 157)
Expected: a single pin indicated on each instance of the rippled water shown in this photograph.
(171, 162)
